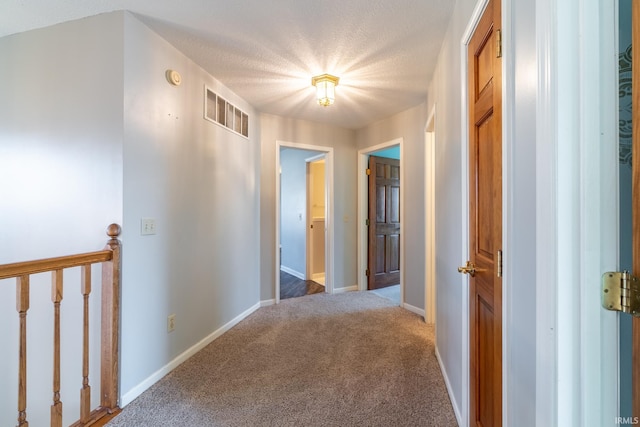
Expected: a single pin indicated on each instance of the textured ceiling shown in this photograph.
(266, 51)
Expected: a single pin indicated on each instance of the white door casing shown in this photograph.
(576, 199)
(329, 213)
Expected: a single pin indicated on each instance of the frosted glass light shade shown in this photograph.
(325, 88)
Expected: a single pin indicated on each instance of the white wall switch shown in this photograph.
(147, 226)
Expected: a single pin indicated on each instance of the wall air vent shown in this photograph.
(223, 113)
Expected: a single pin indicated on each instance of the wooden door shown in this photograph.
(384, 222)
(485, 221)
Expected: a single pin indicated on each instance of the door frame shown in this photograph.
(363, 209)
(329, 206)
(576, 170)
(309, 219)
(430, 287)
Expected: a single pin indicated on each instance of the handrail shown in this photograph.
(110, 259)
(17, 269)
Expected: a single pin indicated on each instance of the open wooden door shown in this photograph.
(384, 223)
(485, 221)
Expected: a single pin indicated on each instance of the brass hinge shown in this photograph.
(498, 43)
(499, 272)
(367, 272)
(368, 171)
(367, 222)
(621, 292)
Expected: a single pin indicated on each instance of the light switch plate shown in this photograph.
(147, 226)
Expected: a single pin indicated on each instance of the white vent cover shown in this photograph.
(223, 113)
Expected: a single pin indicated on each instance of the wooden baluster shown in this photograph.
(22, 305)
(85, 392)
(110, 322)
(56, 297)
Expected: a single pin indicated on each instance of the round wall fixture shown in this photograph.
(173, 77)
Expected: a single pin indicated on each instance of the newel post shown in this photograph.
(111, 273)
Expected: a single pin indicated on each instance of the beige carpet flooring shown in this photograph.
(352, 359)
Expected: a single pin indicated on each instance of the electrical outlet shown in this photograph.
(147, 226)
(171, 323)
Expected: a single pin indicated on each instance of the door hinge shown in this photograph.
(368, 171)
(499, 272)
(367, 272)
(621, 292)
(367, 222)
(498, 43)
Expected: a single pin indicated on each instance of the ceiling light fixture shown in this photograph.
(325, 88)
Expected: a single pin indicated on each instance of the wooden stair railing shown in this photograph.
(110, 323)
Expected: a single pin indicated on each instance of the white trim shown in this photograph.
(576, 363)
(464, 167)
(329, 214)
(363, 158)
(546, 217)
(315, 158)
(137, 390)
(293, 272)
(430, 287)
(413, 309)
(616, 13)
(447, 383)
(509, 222)
(267, 302)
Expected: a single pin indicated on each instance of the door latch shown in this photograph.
(621, 292)
(469, 269)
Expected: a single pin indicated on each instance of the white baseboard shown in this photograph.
(456, 408)
(416, 310)
(348, 289)
(293, 272)
(267, 302)
(136, 391)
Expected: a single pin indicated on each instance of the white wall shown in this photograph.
(444, 92)
(293, 211)
(61, 109)
(275, 128)
(201, 183)
(520, 280)
(317, 176)
(410, 126)
(91, 133)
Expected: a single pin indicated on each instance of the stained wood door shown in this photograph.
(384, 222)
(485, 221)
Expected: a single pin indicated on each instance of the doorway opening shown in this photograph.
(316, 222)
(380, 253)
(430, 221)
(304, 228)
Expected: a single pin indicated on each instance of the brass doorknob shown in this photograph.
(469, 269)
